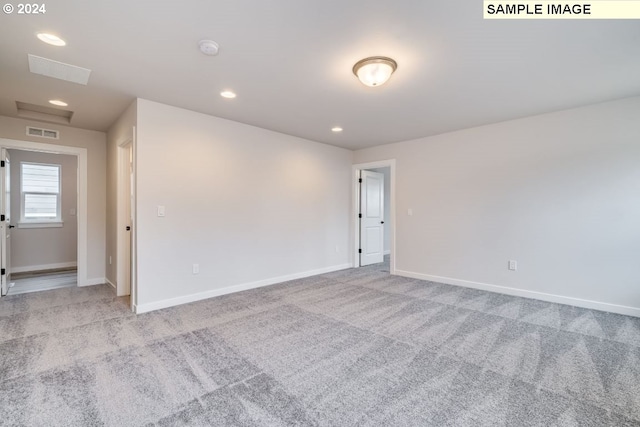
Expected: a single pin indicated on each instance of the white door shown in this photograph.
(5, 227)
(372, 217)
(128, 203)
(125, 170)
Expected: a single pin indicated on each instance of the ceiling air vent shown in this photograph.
(58, 70)
(43, 133)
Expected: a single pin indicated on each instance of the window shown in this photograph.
(40, 193)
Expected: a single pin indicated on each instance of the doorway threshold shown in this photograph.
(23, 283)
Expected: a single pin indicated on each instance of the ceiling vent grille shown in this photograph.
(43, 133)
(58, 70)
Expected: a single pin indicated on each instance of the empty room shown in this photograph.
(249, 213)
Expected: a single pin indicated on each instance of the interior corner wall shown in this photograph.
(559, 193)
(95, 144)
(248, 205)
(34, 249)
(121, 131)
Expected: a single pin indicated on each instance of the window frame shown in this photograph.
(40, 222)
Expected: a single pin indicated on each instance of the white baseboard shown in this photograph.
(560, 299)
(144, 308)
(93, 282)
(41, 267)
(109, 282)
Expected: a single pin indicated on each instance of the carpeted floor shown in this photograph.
(353, 348)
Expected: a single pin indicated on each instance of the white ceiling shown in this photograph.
(290, 63)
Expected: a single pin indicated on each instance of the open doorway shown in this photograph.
(374, 219)
(6, 227)
(42, 206)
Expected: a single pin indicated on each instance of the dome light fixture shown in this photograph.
(375, 70)
(336, 129)
(228, 94)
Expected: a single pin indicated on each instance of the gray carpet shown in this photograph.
(353, 348)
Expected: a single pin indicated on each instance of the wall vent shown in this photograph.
(43, 133)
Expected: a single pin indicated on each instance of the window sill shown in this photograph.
(48, 224)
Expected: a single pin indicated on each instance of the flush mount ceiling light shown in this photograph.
(375, 70)
(227, 94)
(51, 39)
(58, 103)
(208, 47)
(336, 129)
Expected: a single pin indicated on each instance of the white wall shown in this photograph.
(387, 206)
(95, 144)
(250, 206)
(42, 248)
(559, 193)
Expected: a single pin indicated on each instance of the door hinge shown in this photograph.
(359, 251)
(1, 218)
(359, 215)
(359, 179)
(1, 163)
(3, 272)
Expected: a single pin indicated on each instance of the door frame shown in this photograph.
(81, 154)
(355, 173)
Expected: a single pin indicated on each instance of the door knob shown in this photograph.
(12, 226)
(381, 222)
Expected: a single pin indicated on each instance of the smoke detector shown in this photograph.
(208, 47)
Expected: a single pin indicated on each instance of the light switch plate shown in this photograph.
(160, 210)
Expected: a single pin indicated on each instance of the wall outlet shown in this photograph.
(196, 268)
(513, 265)
(161, 210)
(410, 212)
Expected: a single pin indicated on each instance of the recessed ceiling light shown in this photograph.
(51, 39)
(375, 70)
(58, 103)
(208, 47)
(336, 129)
(227, 94)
